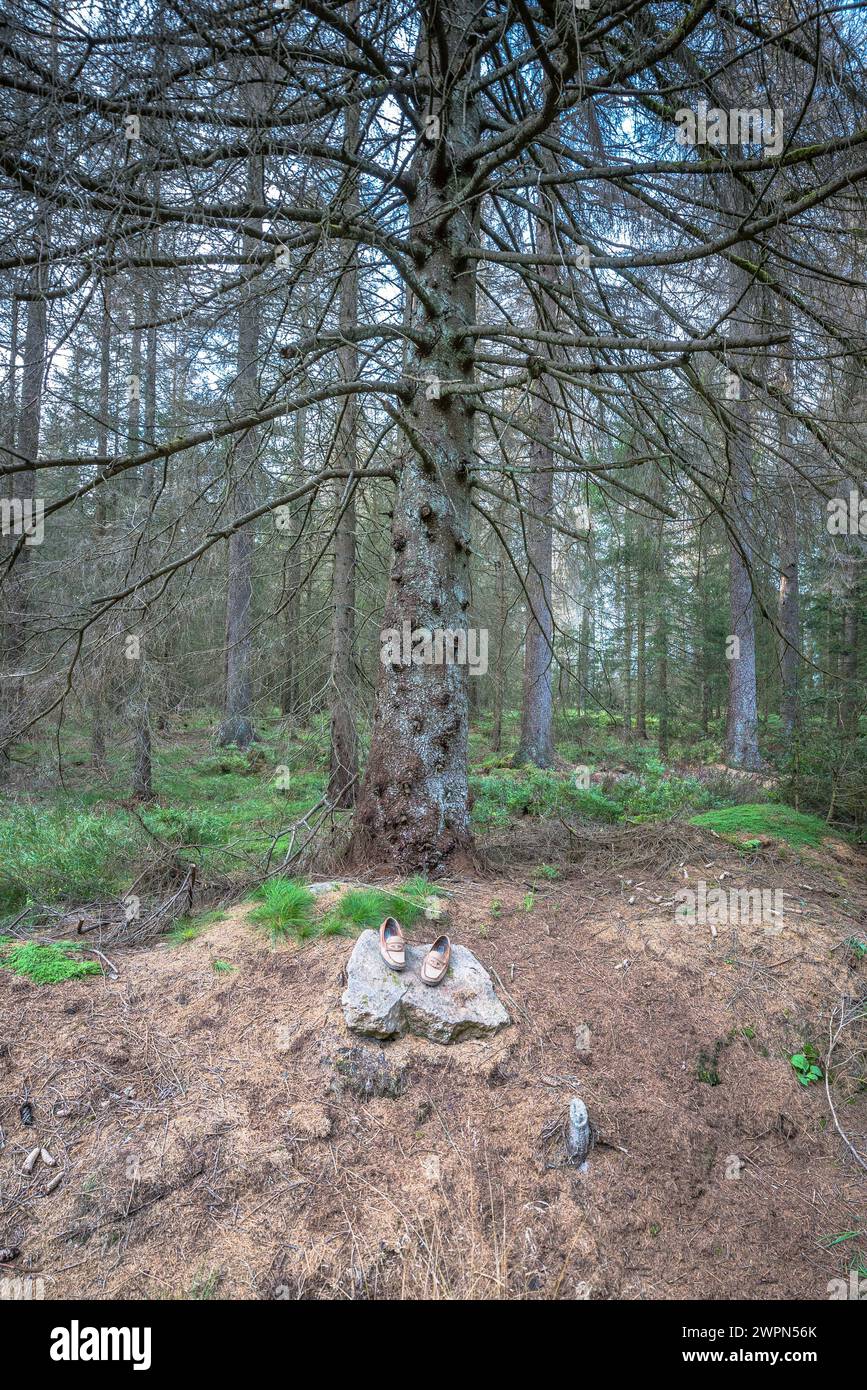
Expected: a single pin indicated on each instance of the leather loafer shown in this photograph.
(392, 946)
(436, 962)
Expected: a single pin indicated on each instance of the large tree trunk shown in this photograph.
(237, 723)
(414, 803)
(341, 689)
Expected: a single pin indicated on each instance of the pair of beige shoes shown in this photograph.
(392, 948)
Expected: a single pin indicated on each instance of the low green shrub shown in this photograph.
(61, 853)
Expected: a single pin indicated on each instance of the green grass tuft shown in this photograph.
(286, 909)
(360, 908)
(188, 928)
(46, 965)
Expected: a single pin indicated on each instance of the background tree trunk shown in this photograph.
(237, 723)
(33, 370)
(742, 745)
(536, 744)
(344, 741)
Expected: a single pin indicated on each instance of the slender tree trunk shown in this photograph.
(414, 803)
(660, 626)
(237, 723)
(641, 669)
(628, 641)
(789, 607)
(851, 700)
(742, 748)
(536, 744)
(97, 717)
(587, 636)
(344, 739)
(140, 704)
(102, 431)
(9, 429)
(293, 571)
(11, 405)
(29, 418)
(703, 655)
(788, 612)
(662, 680)
(500, 657)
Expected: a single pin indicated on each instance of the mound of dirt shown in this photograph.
(220, 1133)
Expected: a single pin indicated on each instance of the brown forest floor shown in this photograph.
(211, 1147)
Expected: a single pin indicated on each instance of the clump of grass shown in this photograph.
(188, 928)
(183, 930)
(222, 967)
(205, 1285)
(45, 965)
(184, 826)
(360, 908)
(286, 909)
(708, 1064)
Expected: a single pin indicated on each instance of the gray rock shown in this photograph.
(384, 1003)
(578, 1137)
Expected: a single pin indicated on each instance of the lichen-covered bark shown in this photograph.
(413, 808)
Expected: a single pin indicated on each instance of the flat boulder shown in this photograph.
(383, 1003)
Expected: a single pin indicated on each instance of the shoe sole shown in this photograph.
(391, 964)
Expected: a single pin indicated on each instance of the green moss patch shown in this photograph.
(740, 823)
(45, 965)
